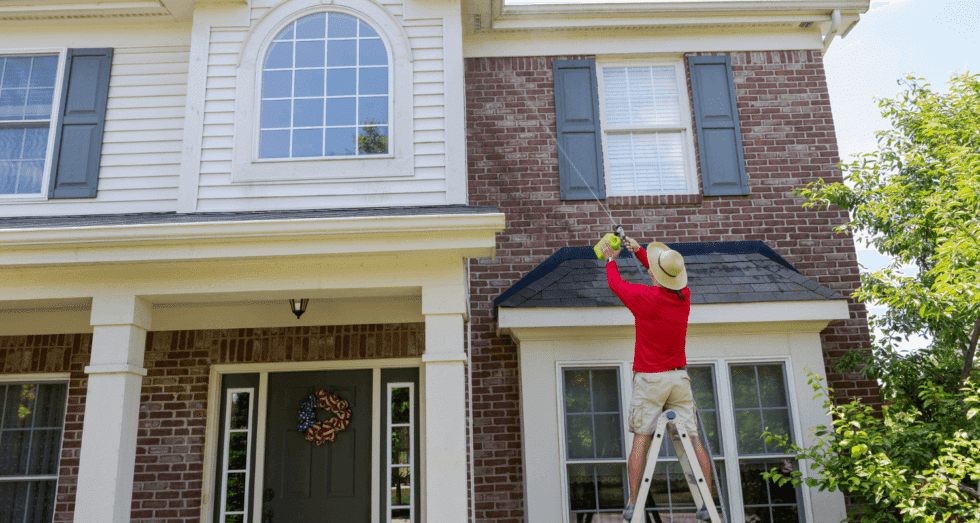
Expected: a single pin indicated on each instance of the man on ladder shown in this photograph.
(660, 380)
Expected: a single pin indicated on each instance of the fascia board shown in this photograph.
(128, 9)
(471, 235)
(582, 321)
(667, 14)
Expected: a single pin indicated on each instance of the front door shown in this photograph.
(306, 483)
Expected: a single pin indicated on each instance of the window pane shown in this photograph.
(646, 163)
(275, 113)
(274, 144)
(340, 142)
(239, 410)
(30, 177)
(341, 53)
(234, 518)
(703, 385)
(8, 177)
(313, 26)
(12, 103)
(366, 31)
(373, 80)
(277, 84)
(400, 451)
(764, 499)
(342, 26)
(785, 493)
(307, 142)
(309, 82)
(772, 389)
(238, 451)
(27, 501)
(579, 436)
(373, 110)
(401, 486)
(581, 487)
(17, 72)
(44, 452)
(35, 143)
(309, 113)
(341, 111)
(744, 389)
(39, 104)
(749, 426)
(11, 143)
(605, 390)
(373, 52)
(44, 72)
(14, 452)
(401, 515)
(287, 33)
(777, 422)
(578, 397)
(611, 481)
(341, 82)
(20, 405)
(236, 492)
(641, 95)
(400, 406)
(608, 437)
(310, 54)
(373, 140)
(280, 55)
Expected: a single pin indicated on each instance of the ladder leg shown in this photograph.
(701, 485)
(654, 451)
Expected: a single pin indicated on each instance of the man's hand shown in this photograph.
(632, 245)
(608, 252)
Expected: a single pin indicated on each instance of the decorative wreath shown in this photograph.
(322, 431)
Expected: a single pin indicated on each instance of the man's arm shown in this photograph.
(620, 288)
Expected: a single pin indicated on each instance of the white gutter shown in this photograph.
(834, 28)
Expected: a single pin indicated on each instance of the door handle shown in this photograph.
(267, 513)
(267, 516)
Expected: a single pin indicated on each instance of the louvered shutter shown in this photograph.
(81, 120)
(716, 119)
(577, 114)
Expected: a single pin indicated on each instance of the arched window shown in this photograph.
(325, 90)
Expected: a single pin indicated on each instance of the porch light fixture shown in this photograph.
(298, 307)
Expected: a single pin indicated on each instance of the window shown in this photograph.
(597, 443)
(760, 403)
(325, 90)
(27, 85)
(595, 456)
(646, 129)
(401, 431)
(30, 446)
(237, 460)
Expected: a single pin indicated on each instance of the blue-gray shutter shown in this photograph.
(579, 137)
(81, 120)
(716, 119)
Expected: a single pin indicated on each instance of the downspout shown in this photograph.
(834, 28)
(469, 384)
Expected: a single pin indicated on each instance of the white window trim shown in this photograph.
(249, 431)
(726, 420)
(246, 165)
(687, 140)
(62, 52)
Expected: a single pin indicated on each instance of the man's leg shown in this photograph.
(703, 459)
(638, 462)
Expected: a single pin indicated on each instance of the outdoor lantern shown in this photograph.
(298, 307)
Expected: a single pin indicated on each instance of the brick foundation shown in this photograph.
(788, 139)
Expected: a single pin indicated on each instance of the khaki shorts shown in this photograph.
(656, 392)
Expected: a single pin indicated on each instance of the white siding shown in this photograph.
(142, 141)
(217, 191)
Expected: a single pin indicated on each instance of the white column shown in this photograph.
(444, 428)
(108, 454)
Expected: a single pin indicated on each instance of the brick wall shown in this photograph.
(788, 139)
(173, 403)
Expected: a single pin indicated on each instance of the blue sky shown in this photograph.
(928, 39)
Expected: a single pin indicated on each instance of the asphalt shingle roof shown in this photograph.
(104, 220)
(718, 272)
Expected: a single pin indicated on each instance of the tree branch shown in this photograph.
(970, 352)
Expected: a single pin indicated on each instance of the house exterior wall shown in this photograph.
(170, 451)
(788, 140)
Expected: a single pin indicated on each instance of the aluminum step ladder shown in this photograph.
(699, 487)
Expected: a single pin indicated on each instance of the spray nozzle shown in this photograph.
(618, 231)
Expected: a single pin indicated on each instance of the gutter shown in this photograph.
(834, 28)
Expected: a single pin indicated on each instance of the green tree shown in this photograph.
(371, 140)
(916, 200)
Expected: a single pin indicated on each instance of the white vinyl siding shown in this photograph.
(141, 149)
(646, 126)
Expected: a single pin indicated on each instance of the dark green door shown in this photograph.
(305, 483)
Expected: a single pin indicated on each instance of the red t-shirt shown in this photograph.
(661, 320)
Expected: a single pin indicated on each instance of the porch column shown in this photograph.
(108, 454)
(444, 436)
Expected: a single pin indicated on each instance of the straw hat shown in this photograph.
(667, 266)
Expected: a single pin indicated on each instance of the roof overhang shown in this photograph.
(466, 235)
(594, 322)
(496, 16)
(121, 10)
